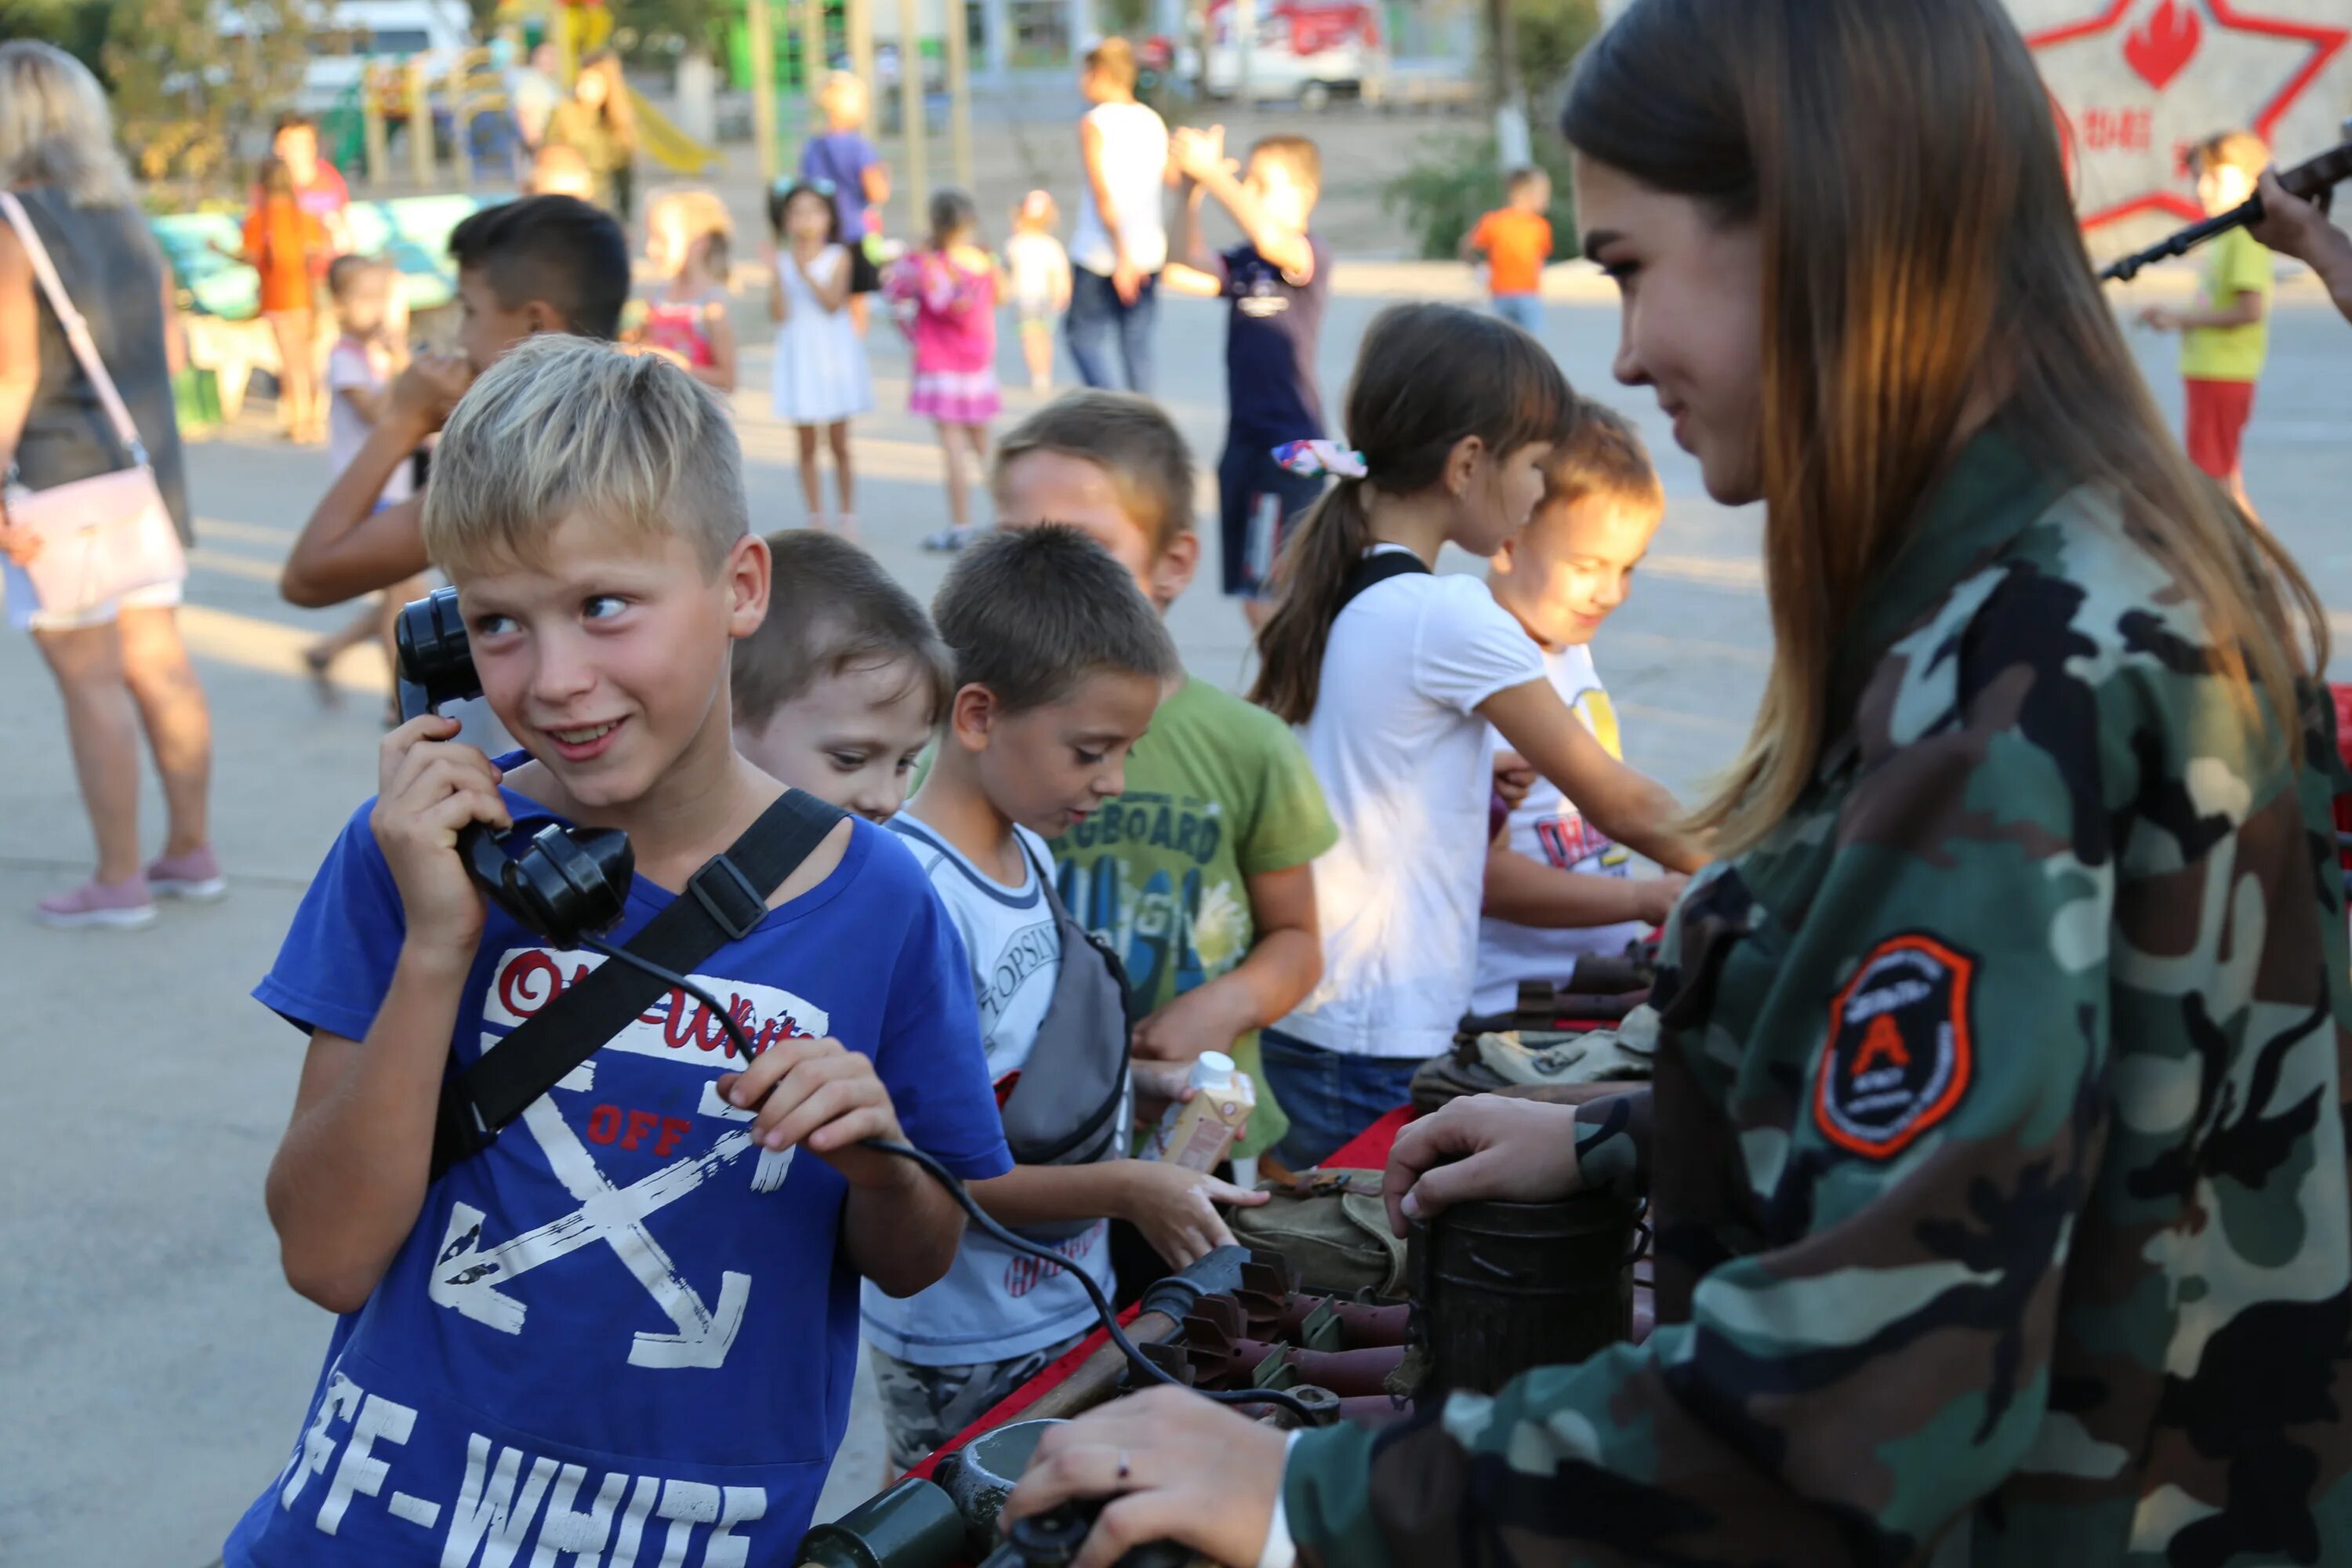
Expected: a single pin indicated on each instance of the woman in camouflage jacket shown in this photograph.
(1999, 1113)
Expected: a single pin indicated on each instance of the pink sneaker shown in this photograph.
(122, 904)
(195, 875)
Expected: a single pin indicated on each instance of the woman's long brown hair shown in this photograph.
(1426, 376)
(619, 114)
(1900, 160)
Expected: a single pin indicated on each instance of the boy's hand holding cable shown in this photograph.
(818, 1094)
(899, 1229)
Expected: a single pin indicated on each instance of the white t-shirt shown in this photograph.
(1135, 172)
(367, 366)
(1547, 828)
(1040, 269)
(994, 1304)
(1406, 765)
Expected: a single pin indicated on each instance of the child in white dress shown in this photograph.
(1040, 282)
(821, 378)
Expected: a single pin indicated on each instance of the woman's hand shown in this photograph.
(2292, 225)
(1175, 1209)
(1177, 1468)
(19, 542)
(2301, 228)
(2159, 318)
(1481, 1146)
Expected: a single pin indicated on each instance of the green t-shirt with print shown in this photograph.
(2235, 264)
(1217, 790)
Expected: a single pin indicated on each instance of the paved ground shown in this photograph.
(155, 1362)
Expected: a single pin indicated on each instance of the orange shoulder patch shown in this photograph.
(1899, 1056)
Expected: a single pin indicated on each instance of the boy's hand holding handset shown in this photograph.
(812, 1091)
(428, 788)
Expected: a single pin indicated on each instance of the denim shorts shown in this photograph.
(1329, 1096)
(1524, 311)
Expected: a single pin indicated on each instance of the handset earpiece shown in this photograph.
(557, 881)
(436, 662)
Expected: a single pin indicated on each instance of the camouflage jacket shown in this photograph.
(2000, 1118)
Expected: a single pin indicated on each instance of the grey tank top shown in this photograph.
(113, 272)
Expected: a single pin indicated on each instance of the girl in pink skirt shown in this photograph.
(953, 284)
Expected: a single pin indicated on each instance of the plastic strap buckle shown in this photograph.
(727, 897)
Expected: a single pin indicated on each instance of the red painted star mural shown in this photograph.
(2138, 81)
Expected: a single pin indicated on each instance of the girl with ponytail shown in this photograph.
(1393, 675)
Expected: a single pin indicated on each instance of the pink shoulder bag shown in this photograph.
(104, 536)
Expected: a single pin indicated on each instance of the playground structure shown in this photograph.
(462, 104)
(450, 107)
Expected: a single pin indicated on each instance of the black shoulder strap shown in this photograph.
(722, 902)
(1377, 567)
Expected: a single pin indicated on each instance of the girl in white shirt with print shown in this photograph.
(1394, 674)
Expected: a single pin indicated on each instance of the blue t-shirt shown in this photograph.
(1271, 340)
(621, 1329)
(843, 157)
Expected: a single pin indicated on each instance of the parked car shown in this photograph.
(1308, 51)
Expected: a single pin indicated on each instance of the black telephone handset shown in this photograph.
(558, 881)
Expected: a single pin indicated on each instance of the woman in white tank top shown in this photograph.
(1121, 240)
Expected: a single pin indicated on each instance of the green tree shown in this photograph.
(696, 21)
(77, 26)
(1546, 36)
(195, 79)
(1441, 197)
(1129, 17)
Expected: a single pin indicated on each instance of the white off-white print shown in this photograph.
(466, 1274)
(501, 1509)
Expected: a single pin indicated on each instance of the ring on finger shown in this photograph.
(1125, 1469)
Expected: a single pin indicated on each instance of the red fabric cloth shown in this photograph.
(2218, 412)
(1369, 1149)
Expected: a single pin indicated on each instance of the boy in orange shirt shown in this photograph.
(1515, 240)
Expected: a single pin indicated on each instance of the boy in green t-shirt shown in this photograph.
(2226, 335)
(1198, 874)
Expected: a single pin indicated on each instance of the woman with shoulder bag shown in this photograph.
(96, 512)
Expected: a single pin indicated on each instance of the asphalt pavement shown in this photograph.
(155, 1364)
